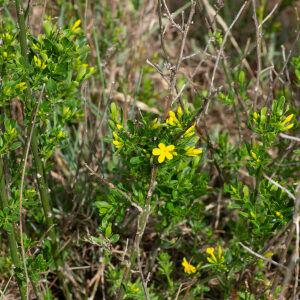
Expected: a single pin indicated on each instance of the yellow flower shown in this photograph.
(61, 134)
(255, 115)
(278, 214)
(179, 112)
(253, 154)
(92, 69)
(134, 289)
(211, 251)
(164, 152)
(188, 268)
(189, 131)
(84, 65)
(37, 61)
(172, 120)
(117, 141)
(4, 54)
(22, 86)
(119, 126)
(191, 151)
(287, 119)
(76, 25)
(213, 259)
(154, 124)
(288, 127)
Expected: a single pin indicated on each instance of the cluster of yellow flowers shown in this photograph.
(39, 64)
(118, 142)
(165, 151)
(189, 268)
(76, 27)
(213, 259)
(283, 123)
(283, 126)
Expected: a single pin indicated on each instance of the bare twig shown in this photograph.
(211, 88)
(268, 16)
(295, 256)
(281, 187)
(258, 53)
(173, 71)
(287, 244)
(113, 187)
(220, 20)
(283, 67)
(294, 138)
(262, 257)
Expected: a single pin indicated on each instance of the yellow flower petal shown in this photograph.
(76, 24)
(162, 146)
(156, 151)
(169, 155)
(170, 148)
(210, 250)
(179, 111)
(210, 260)
(161, 158)
(219, 252)
(190, 129)
(288, 127)
(172, 114)
(287, 119)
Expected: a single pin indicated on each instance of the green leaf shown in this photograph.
(114, 111)
(51, 85)
(136, 160)
(108, 231)
(107, 139)
(47, 25)
(15, 146)
(242, 77)
(112, 125)
(114, 238)
(243, 214)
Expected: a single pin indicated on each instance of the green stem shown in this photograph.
(11, 233)
(257, 183)
(45, 199)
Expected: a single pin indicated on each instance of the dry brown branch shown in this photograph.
(287, 245)
(116, 96)
(113, 187)
(295, 256)
(211, 88)
(258, 53)
(220, 20)
(262, 257)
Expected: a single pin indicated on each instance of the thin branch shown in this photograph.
(258, 54)
(294, 138)
(21, 189)
(211, 88)
(281, 187)
(295, 256)
(113, 187)
(263, 258)
(268, 16)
